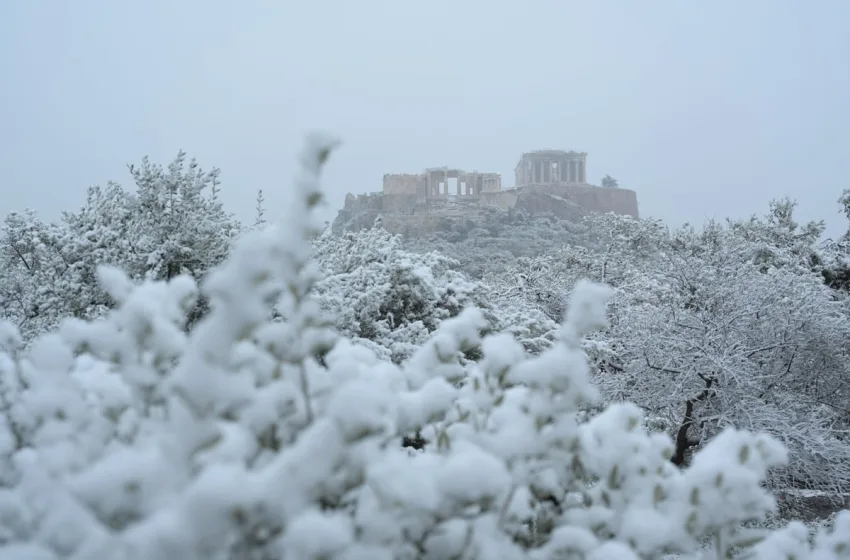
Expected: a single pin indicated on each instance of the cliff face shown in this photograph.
(411, 215)
(359, 212)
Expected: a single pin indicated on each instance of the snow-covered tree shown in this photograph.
(712, 344)
(730, 328)
(172, 224)
(32, 268)
(834, 255)
(393, 299)
(777, 240)
(382, 294)
(717, 327)
(183, 226)
(613, 250)
(833, 260)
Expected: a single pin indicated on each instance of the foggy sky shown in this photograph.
(706, 109)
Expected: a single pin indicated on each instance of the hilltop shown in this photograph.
(442, 199)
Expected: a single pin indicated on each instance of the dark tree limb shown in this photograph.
(683, 443)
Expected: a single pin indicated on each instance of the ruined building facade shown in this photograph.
(551, 167)
(553, 181)
(438, 182)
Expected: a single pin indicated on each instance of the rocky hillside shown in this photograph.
(414, 218)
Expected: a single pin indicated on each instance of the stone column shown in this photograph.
(582, 172)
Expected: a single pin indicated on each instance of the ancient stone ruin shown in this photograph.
(552, 181)
(441, 182)
(552, 167)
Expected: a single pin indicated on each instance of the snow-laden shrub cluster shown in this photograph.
(392, 300)
(172, 223)
(126, 438)
(385, 297)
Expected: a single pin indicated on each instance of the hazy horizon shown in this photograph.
(705, 110)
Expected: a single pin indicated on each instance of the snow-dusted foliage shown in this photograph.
(613, 248)
(711, 340)
(249, 438)
(728, 326)
(777, 240)
(33, 289)
(173, 223)
(835, 254)
(382, 294)
(495, 238)
(392, 300)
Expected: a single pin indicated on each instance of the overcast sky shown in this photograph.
(706, 109)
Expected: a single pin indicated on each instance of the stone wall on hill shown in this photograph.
(409, 214)
(549, 181)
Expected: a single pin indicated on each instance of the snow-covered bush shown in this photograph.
(392, 300)
(382, 294)
(126, 438)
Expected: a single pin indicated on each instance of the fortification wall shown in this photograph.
(594, 199)
(400, 203)
(363, 202)
(501, 199)
(402, 183)
(407, 213)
